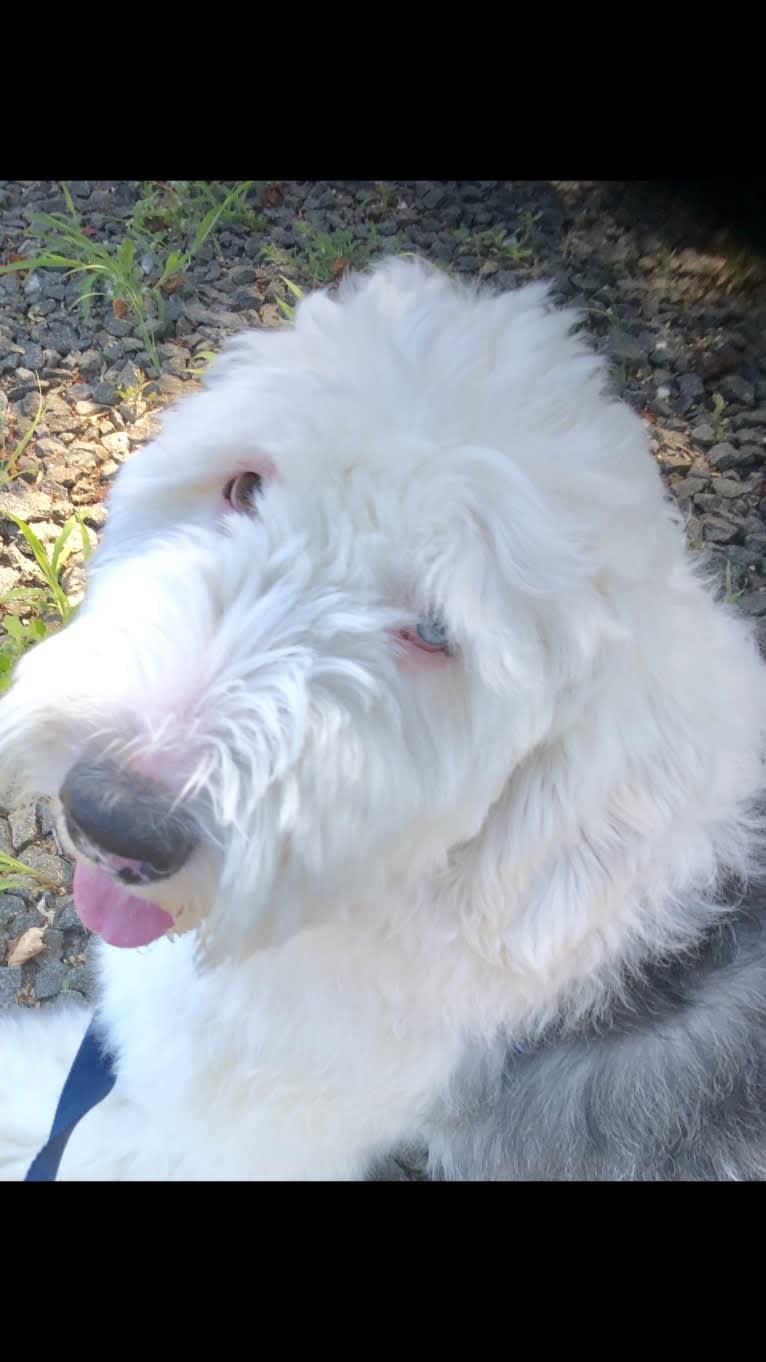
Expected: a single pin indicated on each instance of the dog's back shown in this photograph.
(669, 1083)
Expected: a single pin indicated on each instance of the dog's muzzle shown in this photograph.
(126, 822)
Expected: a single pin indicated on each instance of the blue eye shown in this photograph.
(432, 633)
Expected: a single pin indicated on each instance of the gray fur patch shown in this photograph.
(670, 1084)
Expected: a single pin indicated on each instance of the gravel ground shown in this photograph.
(679, 306)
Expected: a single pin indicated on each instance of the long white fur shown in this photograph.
(401, 862)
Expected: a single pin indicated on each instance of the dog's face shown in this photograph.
(340, 598)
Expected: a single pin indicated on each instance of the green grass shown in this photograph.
(723, 587)
(47, 607)
(196, 369)
(132, 392)
(730, 595)
(496, 246)
(324, 251)
(529, 220)
(276, 255)
(117, 269)
(14, 873)
(324, 256)
(502, 247)
(178, 209)
(383, 200)
(719, 420)
(287, 309)
(9, 462)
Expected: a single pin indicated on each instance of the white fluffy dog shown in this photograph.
(398, 719)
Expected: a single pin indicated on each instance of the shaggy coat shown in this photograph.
(397, 622)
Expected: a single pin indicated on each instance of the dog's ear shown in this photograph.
(505, 568)
(644, 789)
(521, 584)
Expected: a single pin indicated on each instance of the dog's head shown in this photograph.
(383, 558)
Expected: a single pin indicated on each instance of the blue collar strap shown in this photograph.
(90, 1079)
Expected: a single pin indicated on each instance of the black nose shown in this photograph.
(126, 822)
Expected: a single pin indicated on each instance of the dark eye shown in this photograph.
(243, 491)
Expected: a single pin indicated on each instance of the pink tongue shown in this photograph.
(107, 908)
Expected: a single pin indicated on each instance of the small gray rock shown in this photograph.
(242, 274)
(178, 364)
(202, 315)
(49, 976)
(91, 363)
(750, 434)
(81, 979)
(62, 338)
(743, 558)
(728, 487)
(691, 387)
(736, 389)
(67, 917)
(46, 821)
(687, 487)
(130, 376)
(26, 502)
(117, 444)
(54, 942)
(716, 530)
(707, 501)
(33, 357)
(6, 844)
(434, 198)
(754, 603)
(105, 393)
(703, 435)
(55, 291)
(115, 350)
(59, 418)
(51, 448)
(749, 454)
(24, 384)
(750, 418)
(9, 985)
(30, 917)
(172, 386)
(11, 907)
(23, 824)
(117, 326)
(723, 456)
(55, 868)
